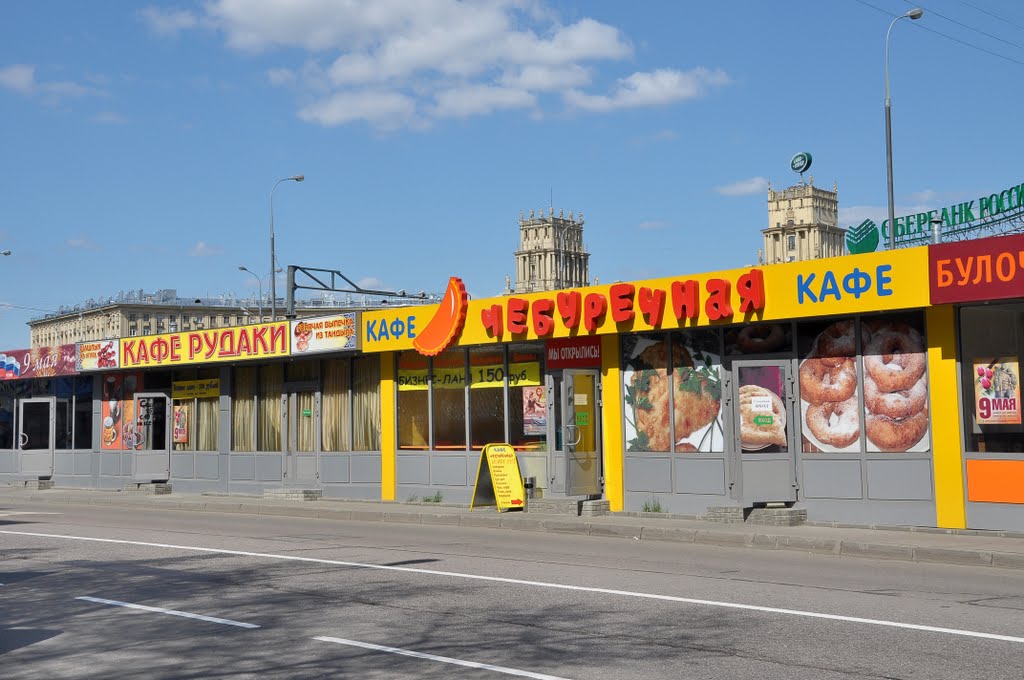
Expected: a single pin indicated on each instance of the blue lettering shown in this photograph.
(882, 280)
(382, 334)
(371, 330)
(803, 287)
(410, 323)
(829, 286)
(856, 282)
(397, 328)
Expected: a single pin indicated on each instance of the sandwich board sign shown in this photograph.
(498, 481)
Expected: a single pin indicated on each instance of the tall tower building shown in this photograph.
(551, 253)
(803, 224)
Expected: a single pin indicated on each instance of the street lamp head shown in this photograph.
(5, 253)
(242, 268)
(302, 178)
(915, 13)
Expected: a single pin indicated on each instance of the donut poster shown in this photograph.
(895, 383)
(673, 383)
(829, 406)
(996, 391)
(759, 338)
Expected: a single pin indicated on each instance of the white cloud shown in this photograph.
(656, 88)
(651, 225)
(203, 249)
(82, 243)
(110, 118)
(424, 59)
(387, 110)
(18, 77)
(370, 283)
(168, 23)
(746, 187)
(480, 99)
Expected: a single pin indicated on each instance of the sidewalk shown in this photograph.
(915, 544)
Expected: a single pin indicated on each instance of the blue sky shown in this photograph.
(140, 142)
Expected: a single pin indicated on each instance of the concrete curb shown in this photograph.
(657, 530)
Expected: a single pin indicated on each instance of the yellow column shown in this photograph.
(611, 422)
(388, 426)
(950, 511)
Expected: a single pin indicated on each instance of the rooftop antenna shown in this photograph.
(551, 198)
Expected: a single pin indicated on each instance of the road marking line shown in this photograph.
(172, 612)
(27, 512)
(442, 659)
(543, 584)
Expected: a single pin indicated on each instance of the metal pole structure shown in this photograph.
(273, 258)
(259, 282)
(915, 13)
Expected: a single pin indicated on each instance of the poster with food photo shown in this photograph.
(829, 407)
(761, 406)
(759, 338)
(996, 391)
(117, 413)
(895, 383)
(673, 383)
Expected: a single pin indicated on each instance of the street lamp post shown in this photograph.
(273, 258)
(913, 14)
(259, 282)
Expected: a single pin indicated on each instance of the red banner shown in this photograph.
(983, 269)
(42, 362)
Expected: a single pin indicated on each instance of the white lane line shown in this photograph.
(172, 612)
(27, 512)
(442, 659)
(543, 584)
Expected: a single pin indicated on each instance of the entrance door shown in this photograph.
(301, 409)
(35, 436)
(576, 432)
(150, 437)
(764, 435)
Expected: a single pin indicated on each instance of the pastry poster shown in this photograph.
(117, 412)
(997, 391)
(895, 383)
(761, 404)
(759, 338)
(673, 392)
(180, 424)
(829, 406)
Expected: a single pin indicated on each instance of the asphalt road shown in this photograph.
(307, 598)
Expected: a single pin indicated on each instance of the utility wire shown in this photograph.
(963, 25)
(996, 16)
(944, 35)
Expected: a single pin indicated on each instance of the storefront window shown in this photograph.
(268, 408)
(895, 383)
(413, 420)
(337, 406)
(243, 408)
(759, 338)
(527, 400)
(991, 344)
(196, 423)
(829, 389)
(366, 403)
(486, 396)
(673, 392)
(83, 413)
(6, 415)
(448, 389)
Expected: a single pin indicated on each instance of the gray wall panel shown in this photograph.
(366, 468)
(110, 464)
(243, 466)
(413, 469)
(83, 463)
(648, 474)
(700, 476)
(334, 468)
(1008, 516)
(63, 463)
(825, 478)
(904, 480)
(207, 466)
(767, 480)
(449, 470)
(305, 468)
(182, 466)
(530, 466)
(890, 513)
(6, 462)
(268, 467)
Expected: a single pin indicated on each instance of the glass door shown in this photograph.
(301, 414)
(763, 436)
(581, 420)
(147, 435)
(35, 436)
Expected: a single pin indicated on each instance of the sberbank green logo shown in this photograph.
(863, 238)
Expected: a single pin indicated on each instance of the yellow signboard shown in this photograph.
(498, 481)
(204, 346)
(195, 389)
